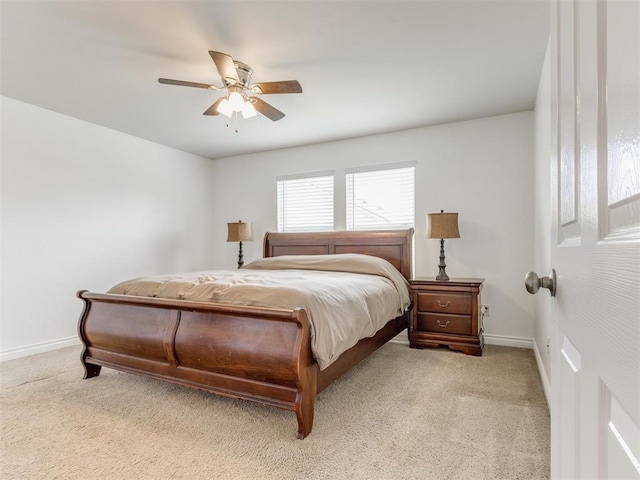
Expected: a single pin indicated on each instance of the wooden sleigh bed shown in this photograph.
(254, 353)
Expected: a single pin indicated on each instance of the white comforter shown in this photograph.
(347, 297)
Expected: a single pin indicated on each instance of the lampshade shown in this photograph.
(235, 101)
(248, 110)
(442, 225)
(224, 107)
(239, 232)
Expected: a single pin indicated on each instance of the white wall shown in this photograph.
(542, 218)
(83, 207)
(482, 169)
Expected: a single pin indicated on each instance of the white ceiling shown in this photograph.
(366, 67)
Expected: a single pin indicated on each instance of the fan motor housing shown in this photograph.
(244, 73)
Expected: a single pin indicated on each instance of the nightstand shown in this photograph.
(447, 313)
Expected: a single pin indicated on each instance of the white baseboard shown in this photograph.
(546, 386)
(519, 342)
(19, 352)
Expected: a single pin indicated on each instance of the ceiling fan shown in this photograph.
(240, 97)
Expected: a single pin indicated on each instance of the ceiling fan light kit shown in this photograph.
(240, 97)
(236, 102)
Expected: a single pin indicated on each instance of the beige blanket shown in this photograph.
(347, 297)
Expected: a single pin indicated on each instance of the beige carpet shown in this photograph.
(401, 414)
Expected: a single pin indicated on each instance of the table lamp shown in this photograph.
(239, 232)
(442, 225)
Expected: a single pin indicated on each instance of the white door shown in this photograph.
(595, 180)
(595, 375)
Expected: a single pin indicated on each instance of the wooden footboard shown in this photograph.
(258, 354)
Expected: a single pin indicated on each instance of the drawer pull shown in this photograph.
(441, 325)
(443, 305)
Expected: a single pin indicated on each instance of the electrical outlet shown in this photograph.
(485, 310)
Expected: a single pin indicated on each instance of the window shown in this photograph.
(305, 204)
(380, 197)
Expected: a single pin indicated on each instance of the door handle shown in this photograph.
(533, 282)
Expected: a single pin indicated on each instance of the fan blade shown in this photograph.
(287, 86)
(267, 110)
(181, 83)
(226, 68)
(213, 109)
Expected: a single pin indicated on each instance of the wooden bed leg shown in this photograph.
(304, 413)
(307, 376)
(90, 370)
(306, 399)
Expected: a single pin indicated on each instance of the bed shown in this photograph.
(256, 353)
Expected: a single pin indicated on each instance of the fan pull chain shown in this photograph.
(235, 117)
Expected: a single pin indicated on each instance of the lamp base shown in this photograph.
(240, 258)
(442, 274)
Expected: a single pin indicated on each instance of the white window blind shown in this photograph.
(305, 204)
(383, 198)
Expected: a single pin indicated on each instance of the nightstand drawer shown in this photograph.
(444, 303)
(455, 324)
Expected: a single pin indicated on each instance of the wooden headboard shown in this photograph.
(395, 246)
